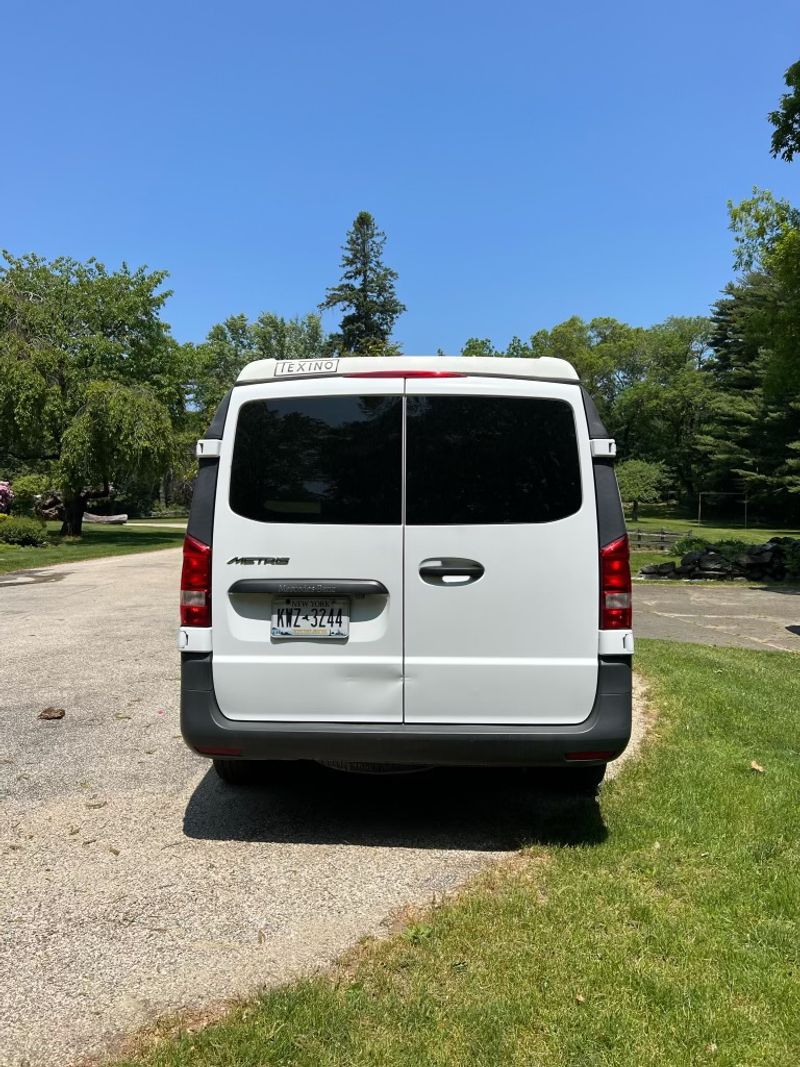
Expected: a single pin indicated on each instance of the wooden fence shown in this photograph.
(653, 539)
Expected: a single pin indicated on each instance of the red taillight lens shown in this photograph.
(196, 583)
(404, 374)
(615, 586)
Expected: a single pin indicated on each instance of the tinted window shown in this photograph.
(324, 459)
(485, 459)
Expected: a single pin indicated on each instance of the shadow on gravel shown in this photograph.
(446, 808)
(32, 577)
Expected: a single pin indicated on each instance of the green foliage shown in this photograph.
(90, 379)
(367, 288)
(119, 431)
(229, 346)
(690, 543)
(786, 119)
(641, 481)
(475, 346)
(728, 548)
(27, 487)
(279, 338)
(751, 440)
(20, 530)
(758, 224)
(650, 385)
(234, 343)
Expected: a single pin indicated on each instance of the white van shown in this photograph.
(407, 561)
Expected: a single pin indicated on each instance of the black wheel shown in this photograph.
(577, 781)
(237, 771)
(249, 772)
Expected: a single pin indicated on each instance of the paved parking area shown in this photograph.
(725, 614)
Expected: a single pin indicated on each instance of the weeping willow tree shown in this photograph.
(91, 382)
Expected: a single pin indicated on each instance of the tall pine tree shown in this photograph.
(367, 289)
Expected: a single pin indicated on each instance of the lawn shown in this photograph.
(96, 541)
(661, 930)
(712, 532)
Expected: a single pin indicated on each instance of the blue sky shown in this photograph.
(528, 161)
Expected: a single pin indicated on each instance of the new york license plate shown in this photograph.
(326, 617)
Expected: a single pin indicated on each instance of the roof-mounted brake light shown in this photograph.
(404, 374)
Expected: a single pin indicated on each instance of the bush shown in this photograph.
(23, 531)
(6, 497)
(27, 487)
(728, 549)
(690, 544)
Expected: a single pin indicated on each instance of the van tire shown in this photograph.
(237, 771)
(576, 781)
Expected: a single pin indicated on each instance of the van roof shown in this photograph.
(503, 366)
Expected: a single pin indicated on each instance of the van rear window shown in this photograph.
(490, 459)
(320, 459)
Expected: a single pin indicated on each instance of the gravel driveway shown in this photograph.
(135, 884)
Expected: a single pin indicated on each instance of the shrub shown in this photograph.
(23, 531)
(26, 489)
(690, 544)
(731, 549)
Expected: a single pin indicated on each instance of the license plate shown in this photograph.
(325, 617)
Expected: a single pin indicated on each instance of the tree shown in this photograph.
(477, 346)
(91, 383)
(608, 355)
(756, 345)
(367, 288)
(640, 483)
(517, 349)
(758, 224)
(229, 346)
(232, 344)
(786, 119)
(658, 412)
(279, 338)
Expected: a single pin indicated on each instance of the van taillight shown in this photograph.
(196, 583)
(615, 586)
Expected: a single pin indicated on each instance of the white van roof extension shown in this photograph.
(495, 366)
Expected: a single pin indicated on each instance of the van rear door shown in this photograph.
(501, 553)
(307, 553)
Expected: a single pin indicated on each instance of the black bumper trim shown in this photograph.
(311, 586)
(607, 729)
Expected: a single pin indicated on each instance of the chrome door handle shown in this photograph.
(433, 571)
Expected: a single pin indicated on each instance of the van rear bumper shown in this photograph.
(607, 730)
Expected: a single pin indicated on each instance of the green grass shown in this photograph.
(665, 935)
(96, 541)
(753, 534)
